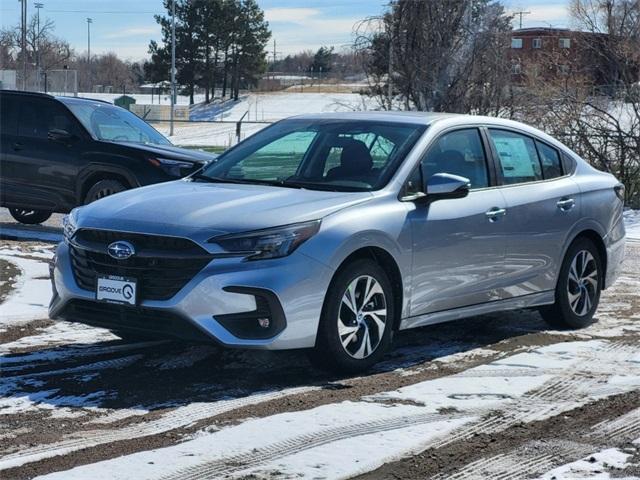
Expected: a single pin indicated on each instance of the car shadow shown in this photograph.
(156, 375)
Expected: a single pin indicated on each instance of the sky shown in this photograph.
(126, 26)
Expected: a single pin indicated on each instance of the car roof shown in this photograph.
(63, 98)
(418, 118)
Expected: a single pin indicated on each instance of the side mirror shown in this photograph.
(446, 185)
(59, 135)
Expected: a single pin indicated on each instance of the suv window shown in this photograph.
(550, 159)
(8, 114)
(38, 116)
(461, 153)
(518, 157)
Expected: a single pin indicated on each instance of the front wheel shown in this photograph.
(102, 189)
(578, 288)
(30, 217)
(357, 319)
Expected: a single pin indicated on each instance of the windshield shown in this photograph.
(342, 155)
(114, 124)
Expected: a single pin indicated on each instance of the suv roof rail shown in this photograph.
(23, 92)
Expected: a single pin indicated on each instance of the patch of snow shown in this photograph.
(30, 297)
(632, 224)
(596, 466)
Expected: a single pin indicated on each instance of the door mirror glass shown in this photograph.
(59, 135)
(446, 185)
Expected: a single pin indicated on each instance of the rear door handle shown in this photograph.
(18, 146)
(494, 213)
(566, 204)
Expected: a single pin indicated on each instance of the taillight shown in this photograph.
(619, 189)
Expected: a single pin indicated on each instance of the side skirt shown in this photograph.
(526, 301)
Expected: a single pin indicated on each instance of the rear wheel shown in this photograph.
(578, 288)
(30, 217)
(102, 189)
(357, 319)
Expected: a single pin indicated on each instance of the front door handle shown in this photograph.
(17, 146)
(566, 204)
(493, 214)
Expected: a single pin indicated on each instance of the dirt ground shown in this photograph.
(72, 395)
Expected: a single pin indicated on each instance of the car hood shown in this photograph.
(171, 152)
(202, 210)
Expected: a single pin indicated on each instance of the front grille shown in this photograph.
(162, 266)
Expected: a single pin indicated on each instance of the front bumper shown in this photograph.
(225, 291)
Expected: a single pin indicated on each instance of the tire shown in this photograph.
(102, 189)
(355, 355)
(30, 217)
(578, 288)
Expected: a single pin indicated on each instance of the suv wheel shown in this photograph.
(102, 189)
(30, 217)
(578, 289)
(357, 319)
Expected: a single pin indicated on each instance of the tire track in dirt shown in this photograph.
(242, 461)
(172, 420)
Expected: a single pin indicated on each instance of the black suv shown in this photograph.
(60, 152)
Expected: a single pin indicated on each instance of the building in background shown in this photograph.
(553, 54)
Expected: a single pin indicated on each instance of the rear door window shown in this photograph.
(38, 116)
(8, 115)
(518, 157)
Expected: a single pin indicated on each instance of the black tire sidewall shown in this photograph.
(38, 216)
(328, 352)
(568, 317)
(102, 185)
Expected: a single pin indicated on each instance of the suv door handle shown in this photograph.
(494, 213)
(566, 204)
(17, 146)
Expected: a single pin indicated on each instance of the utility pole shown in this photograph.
(173, 64)
(38, 7)
(89, 22)
(23, 43)
(521, 13)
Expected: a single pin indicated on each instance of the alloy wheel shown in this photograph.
(582, 286)
(362, 318)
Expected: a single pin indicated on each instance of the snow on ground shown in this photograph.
(344, 439)
(596, 466)
(632, 224)
(30, 298)
(142, 98)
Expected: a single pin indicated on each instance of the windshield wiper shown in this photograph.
(207, 178)
(272, 183)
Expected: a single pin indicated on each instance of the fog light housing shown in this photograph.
(266, 321)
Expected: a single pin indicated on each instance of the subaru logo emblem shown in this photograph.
(121, 250)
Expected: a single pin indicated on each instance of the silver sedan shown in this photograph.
(331, 232)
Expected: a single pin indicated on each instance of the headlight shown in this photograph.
(69, 224)
(269, 243)
(176, 168)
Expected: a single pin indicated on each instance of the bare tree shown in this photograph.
(438, 56)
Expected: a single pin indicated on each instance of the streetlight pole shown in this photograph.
(23, 42)
(173, 63)
(89, 22)
(38, 7)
